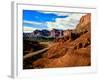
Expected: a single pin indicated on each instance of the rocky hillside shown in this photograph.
(84, 24)
(71, 50)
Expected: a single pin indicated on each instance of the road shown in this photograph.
(38, 52)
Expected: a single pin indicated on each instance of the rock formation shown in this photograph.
(71, 50)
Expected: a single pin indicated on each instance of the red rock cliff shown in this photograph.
(70, 51)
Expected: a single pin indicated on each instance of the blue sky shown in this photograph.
(33, 19)
(38, 16)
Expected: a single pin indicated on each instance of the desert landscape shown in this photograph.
(58, 48)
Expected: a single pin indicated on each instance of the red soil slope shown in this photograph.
(69, 51)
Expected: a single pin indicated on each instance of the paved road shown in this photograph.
(38, 52)
(35, 53)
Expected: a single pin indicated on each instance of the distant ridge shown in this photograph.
(72, 50)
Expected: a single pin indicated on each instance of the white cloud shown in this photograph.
(65, 23)
(28, 29)
(32, 22)
(59, 13)
(69, 22)
(35, 25)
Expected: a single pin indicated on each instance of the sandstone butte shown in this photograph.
(71, 50)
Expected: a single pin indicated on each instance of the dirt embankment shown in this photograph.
(71, 50)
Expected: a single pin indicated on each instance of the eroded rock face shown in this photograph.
(84, 24)
(70, 51)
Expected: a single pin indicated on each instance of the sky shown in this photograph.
(33, 19)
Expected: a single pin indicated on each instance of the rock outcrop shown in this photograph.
(71, 50)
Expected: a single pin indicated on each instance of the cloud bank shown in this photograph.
(33, 20)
